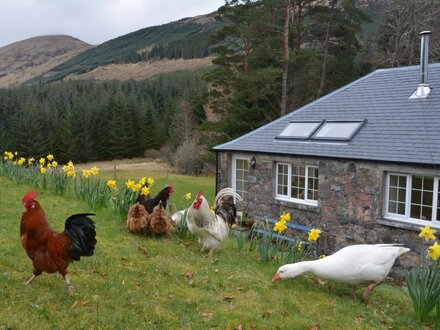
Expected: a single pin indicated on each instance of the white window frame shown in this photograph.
(288, 197)
(407, 216)
(234, 170)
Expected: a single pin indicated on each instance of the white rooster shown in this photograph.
(212, 228)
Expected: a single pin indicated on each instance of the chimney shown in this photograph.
(423, 89)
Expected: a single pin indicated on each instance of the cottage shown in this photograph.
(362, 163)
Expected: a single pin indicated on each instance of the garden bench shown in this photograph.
(267, 220)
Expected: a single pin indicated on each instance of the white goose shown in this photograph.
(353, 264)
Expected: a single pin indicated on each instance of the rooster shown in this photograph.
(50, 251)
(150, 203)
(159, 222)
(138, 219)
(212, 228)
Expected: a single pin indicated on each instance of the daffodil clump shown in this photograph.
(61, 176)
(89, 187)
(127, 195)
(423, 281)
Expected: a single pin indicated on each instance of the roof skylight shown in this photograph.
(338, 130)
(300, 130)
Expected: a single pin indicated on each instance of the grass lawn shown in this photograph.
(134, 282)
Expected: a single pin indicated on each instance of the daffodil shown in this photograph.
(50, 157)
(31, 160)
(94, 170)
(188, 196)
(71, 173)
(434, 251)
(43, 170)
(285, 217)
(314, 234)
(136, 187)
(150, 182)
(42, 161)
(54, 163)
(143, 180)
(111, 184)
(427, 233)
(145, 191)
(300, 246)
(21, 161)
(86, 173)
(280, 226)
(129, 184)
(49, 165)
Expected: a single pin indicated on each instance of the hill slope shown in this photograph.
(29, 58)
(187, 38)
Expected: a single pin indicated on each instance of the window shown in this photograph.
(300, 130)
(297, 183)
(413, 198)
(338, 130)
(240, 172)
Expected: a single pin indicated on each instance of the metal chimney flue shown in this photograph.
(423, 89)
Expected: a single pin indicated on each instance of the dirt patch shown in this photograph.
(145, 164)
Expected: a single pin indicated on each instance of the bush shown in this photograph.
(187, 158)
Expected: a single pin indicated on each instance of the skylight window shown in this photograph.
(338, 130)
(300, 130)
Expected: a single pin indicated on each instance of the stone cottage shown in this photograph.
(362, 163)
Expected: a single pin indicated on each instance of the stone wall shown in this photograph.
(350, 201)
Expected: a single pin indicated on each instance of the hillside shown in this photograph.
(24, 60)
(187, 39)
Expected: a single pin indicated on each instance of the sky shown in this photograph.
(92, 21)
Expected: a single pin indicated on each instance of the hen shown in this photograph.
(159, 222)
(138, 219)
(50, 251)
(150, 203)
(212, 228)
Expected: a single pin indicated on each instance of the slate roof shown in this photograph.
(398, 129)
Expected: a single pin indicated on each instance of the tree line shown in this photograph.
(85, 120)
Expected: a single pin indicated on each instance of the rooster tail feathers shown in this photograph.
(226, 192)
(81, 231)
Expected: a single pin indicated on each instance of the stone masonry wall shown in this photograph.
(350, 202)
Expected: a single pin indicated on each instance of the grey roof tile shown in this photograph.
(398, 129)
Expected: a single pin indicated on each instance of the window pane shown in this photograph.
(300, 130)
(282, 179)
(392, 207)
(393, 194)
(417, 182)
(397, 194)
(337, 130)
(416, 197)
(422, 197)
(394, 180)
(401, 208)
(402, 181)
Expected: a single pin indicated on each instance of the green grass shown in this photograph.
(133, 282)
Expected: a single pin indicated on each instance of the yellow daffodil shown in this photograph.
(111, 184)
(71, 173)
(285, 217)
(427, 233)
(150, 182)
(31, 160)
(43, 170)
(280, 226)
(434, 251)
(94, 170)
(143, 180)
(16, 153)
(136, 187)
(145, 191)
(50, 157)
(314, 234)
(21, 161)
(188, 196)
(54, 163)
(129, 184)
(86, 173)
(42, 161)
(49, 165)
(300, 246)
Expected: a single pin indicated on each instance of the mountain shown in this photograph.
(186, 39)
(24, 60)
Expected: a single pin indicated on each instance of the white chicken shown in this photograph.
(212, 228)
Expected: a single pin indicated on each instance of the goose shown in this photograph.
(354, 264)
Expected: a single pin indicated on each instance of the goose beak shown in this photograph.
(276, 277)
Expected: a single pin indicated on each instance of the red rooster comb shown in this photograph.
(29, 196)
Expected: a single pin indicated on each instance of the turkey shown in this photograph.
(212, 228)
